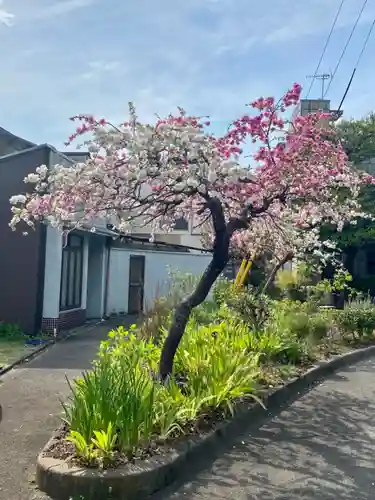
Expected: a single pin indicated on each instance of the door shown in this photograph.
(136, 284)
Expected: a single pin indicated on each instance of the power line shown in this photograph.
(356, 65)
(325, 47)
(346, 46)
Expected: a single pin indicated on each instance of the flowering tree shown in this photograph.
(154, 174)
(279, 242)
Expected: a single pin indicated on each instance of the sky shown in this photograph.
(212, 57)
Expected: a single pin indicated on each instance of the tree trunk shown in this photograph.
(220, 258)
(183, 311)
(275, 270)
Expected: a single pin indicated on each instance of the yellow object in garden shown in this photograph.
(243, 272)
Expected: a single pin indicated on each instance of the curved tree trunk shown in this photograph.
(220, 258)
(183, 310)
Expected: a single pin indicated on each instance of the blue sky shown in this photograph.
(64, 57)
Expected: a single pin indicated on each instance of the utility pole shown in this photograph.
(323, 77)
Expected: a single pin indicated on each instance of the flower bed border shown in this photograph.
(135, 482)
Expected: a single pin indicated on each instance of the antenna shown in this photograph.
(323, 77)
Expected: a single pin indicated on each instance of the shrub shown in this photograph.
(357, 318)
(320, 325)
(222, 290)
(159, 314)
(292, 283)
(206, 313)
(253, 308)
(9, 331)
(299, 324)
(156, 317)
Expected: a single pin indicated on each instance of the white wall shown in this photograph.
(157, 280)
(52, 274)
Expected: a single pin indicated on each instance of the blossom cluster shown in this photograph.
(153, 174)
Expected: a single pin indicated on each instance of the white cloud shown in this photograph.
(6, 17)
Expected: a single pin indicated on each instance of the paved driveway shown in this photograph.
(30, 397)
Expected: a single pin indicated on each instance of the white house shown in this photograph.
(50, 282)
(92, 275)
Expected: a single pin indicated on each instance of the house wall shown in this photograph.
(55, 320)
(21, 257)
(157, 279)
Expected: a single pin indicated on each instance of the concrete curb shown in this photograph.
(26, 357)
(135, 482)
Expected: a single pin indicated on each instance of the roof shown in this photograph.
(70, 159)
(11, 143)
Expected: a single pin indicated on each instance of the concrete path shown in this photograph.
(320, 448)
(30, 397)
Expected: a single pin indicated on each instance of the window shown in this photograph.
(71, 274)
(181, 224)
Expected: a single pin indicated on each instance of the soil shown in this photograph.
(62, 449)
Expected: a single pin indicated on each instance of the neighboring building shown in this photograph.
(52, 283)
(307, 106)
(9, 143)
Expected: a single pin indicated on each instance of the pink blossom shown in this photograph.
(151, 174)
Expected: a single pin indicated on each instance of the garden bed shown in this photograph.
(239, 354)
(64, 478)
(272, 377)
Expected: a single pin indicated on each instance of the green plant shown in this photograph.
(357, 318)
(217, 367)
(251, 307)
(84, 450)
(10, 331)
(118, 392)
(105, 442)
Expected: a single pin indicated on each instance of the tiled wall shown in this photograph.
(67, 320)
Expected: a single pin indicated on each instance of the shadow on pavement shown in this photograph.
(322, 447)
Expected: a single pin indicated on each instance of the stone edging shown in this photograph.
(27, 357)
(135, 482)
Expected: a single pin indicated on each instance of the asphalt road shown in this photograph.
(321, 448)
